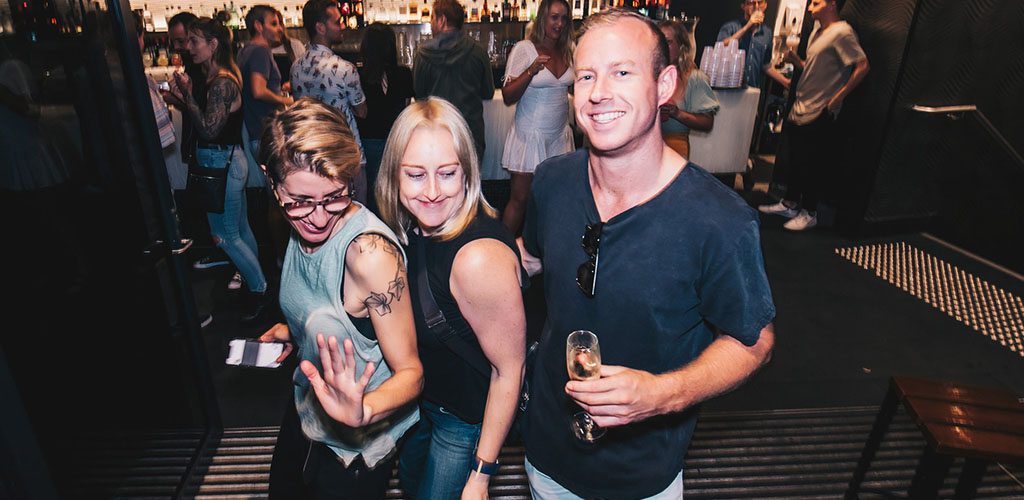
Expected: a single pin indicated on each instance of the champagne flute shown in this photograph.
(583, 360)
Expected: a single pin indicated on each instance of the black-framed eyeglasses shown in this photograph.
(299, 209)
(586, 274)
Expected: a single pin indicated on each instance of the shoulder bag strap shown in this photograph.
(438, 325)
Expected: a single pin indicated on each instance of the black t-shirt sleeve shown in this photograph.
(734, 290)
(260, 61)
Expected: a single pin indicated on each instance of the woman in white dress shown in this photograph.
(538, 75)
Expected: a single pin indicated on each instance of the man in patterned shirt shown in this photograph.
(322, 74)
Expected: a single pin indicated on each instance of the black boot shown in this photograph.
(260, 307)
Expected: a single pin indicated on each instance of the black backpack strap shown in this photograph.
(438, 325)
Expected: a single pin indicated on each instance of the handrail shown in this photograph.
(944, 109)
(989, 127)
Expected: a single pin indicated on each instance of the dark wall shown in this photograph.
(883, 27)
(946, 176)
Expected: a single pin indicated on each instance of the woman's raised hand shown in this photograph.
(538, 64)
(340, 394)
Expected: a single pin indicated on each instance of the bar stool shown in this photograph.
(978, 424)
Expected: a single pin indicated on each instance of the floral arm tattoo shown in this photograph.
(209, 122)
(380, 302)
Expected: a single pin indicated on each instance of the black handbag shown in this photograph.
(206, 186)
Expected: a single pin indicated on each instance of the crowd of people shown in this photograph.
(401, 286)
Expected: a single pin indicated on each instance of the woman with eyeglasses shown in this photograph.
(693, 105)
(345, 298)
(429, 192)
(218, 120)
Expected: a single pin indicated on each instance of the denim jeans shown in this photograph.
(437, 455)
(231, 228)
(542, 487)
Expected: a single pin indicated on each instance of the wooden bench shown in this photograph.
(978, 424)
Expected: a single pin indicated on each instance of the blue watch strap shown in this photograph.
(486, 468)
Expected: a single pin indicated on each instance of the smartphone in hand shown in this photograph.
(253, 353)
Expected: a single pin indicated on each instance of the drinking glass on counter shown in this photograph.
(583, 360)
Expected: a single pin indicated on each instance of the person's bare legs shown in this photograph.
(519, 192)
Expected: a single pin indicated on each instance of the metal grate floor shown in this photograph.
(983, 306)
(781, 454)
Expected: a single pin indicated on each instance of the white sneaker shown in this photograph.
(804, 220)
(236, 282)
(779, 208)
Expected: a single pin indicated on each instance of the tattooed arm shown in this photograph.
(376, 285)
(223, 93)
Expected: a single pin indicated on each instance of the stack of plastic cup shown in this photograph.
(724, 64)
(705, 60)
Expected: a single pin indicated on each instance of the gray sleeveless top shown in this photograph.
(311, 300)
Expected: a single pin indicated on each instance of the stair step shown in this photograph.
(803, 454)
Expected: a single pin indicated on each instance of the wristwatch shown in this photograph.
(486, 468)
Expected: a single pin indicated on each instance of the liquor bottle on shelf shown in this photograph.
(577, 9)
(358, 14)
(414, 12)
(524, 12)
(485, 14)
(514, 16)
(425, 12)
(506, 11)
(147, 18)
(233, 16)
(474, 13)
(496, 13)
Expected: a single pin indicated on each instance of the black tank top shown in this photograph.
(231, 133)
(449, 380)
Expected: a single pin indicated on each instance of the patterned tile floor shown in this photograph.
(975, 302)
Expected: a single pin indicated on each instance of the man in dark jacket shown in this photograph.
(454, 67)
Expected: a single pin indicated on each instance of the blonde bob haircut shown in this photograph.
(433, 113)
(309, 136)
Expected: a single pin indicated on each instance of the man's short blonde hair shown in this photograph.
(309, 136)
(434, 113)
(611, 17)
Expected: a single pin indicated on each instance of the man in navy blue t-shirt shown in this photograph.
(261, 80)
(666, 251)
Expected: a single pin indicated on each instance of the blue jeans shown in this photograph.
(231, 229)
(437, 455)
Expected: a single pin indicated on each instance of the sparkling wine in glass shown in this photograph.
(583, 360)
